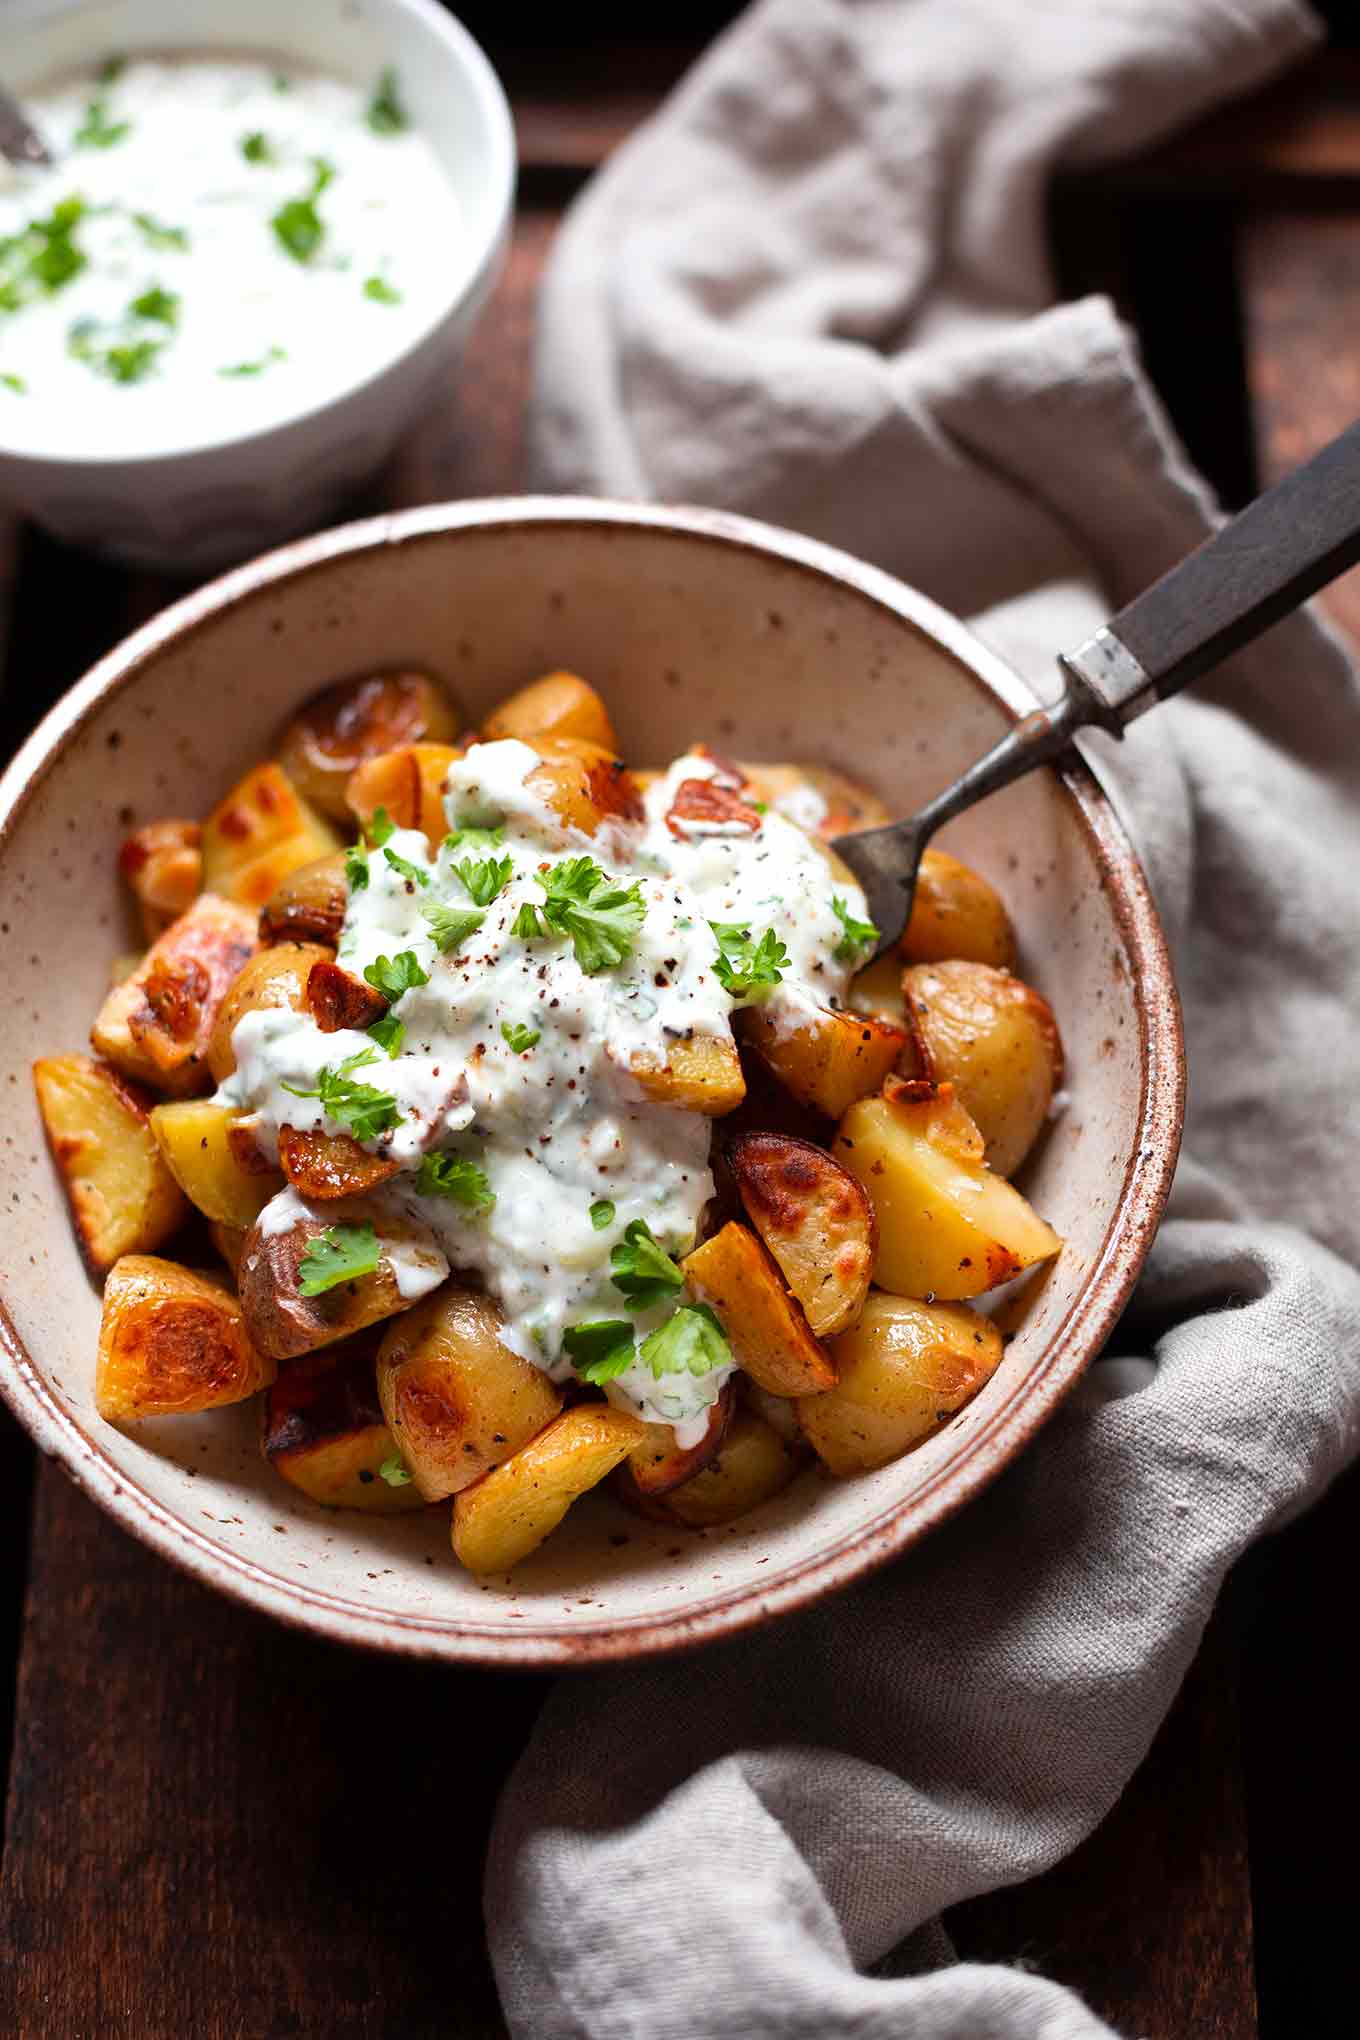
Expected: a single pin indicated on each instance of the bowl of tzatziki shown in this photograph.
(250, 264)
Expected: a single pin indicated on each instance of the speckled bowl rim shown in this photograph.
(983, 1451)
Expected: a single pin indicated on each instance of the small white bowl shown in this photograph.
(224, 497)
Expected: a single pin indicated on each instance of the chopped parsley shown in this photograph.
(404, 868)
(601, 1349)
(340, 1254)
(361, 1109)
(395, 1471)
(746, 968)
(13, 382)
(256, 367)
(691, 1341)
(519, 1037)
(381, 291)
(601, 1214)
(389, 1033)
(157, 234)
(257, 148)
(451, 925)
(857, 935)
(644, 1272)
(111, 70)
(122, 360)
(455, 1176)
(41, 257)
(600, 915)
(527, 927)
(386, 115)
(162, 306)
(380, 827)
(97, 131)
(356, 867)
(393, 975)
(484, 881)
(298, 226)
(474, 839)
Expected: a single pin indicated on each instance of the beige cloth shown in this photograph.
(815, 289)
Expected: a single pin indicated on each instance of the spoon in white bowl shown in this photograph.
(1262, 563)
(20, 141)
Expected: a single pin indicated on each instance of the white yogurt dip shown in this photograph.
(218, 245)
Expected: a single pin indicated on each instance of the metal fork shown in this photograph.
(1264, 562)
(20, 141)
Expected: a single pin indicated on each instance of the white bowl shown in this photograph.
(221, 498)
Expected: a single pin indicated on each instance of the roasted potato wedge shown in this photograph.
(752, 1466)
(155, 1027)
(342, 728)
(709, 801)
(326, 1165)
(456, 1397)
(878, 989)
(996, 1041)
(558, 705)
(816, 1220)
(163, 864)
(283, 1322)
(324, 1432)
(956, 913)
(699, 1075)
(409, 783)
(212, 1155)
(826, 1059)
(948, 1226)
(272, 977)
(172, 1341)
(904, 1370)
(258, 834)
(123, 1198)
(824, 801)
(765, 1326)
(657, 1463)
(508, 1513)
(336, 998)
(309, 905)
(584, 784)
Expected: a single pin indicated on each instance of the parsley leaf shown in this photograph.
(395, 1471)
(642, 1270)
(380, 827)
(361, 1108)
(451, 925)
(486, 880)
(257, 367)
(393, 975)
(519, 1036)
(13, 382)
(858, 934)
(405, 869)
(41, 257)
(455, 1176)
(298, 226)
(160, 305)
(122, 361)
(746, 968)
(475, 839)
(691, 1341)
(528, 923)
(157, 235)
(381, 291)
(356, 867)
(601, 1349)
(97, 131)
(389, 1033)
(601, 1214)
(257, 148)
(600, 915)
(386, 115)
(340, 1254)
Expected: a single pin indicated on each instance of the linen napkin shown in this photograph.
(816, 289)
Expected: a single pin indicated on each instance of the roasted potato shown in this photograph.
(947, 1225)
(826, 1059)
(308, 905)
(229, 1241)
(956, 913)
(283, 1322)
(324, 1432)
(558, 705)
(213, 1156)
(163, 864)
(699, 1075)
(123, 1198)
(752, 1466)
(409, 783)
(172, 1341)
(336, 998)
(707, 801)
(657, 1463)
(816, 1220)
(272, 977)
(457, 1398)
(509, 1511)
(824, 801)
(123, 965)
(340, 729)
(326, 1165)
(584, 784)
(156, 1025)
(765, 1326)
(258, 834)
(904, 1370)
(878, 989)
(996, 1041)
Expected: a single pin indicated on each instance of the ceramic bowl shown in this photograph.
(693, 625)
(224, 497)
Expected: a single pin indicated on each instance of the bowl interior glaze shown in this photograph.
(693, 626)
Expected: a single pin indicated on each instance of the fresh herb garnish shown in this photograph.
(386, 114)
(527, 925)
(340, 1254)
(395, 1471)
(451, 925)
(257, 147)
(519, 1037)
(474, 839)
(298, 226)
(389, 1033)
(601, 1349)
(484, 881)
(162, 306)
(404, 868)
(41, 257)
(641, 1269)
(158, 235)
(393, 975)
(601, 1214)
(13, 382)
(122, 361)
(361, 1108)
(692, 1341)
(380, 827)
(97, 131)
(111, 70)
(455, 1176)
(857, 934)
(381, 291)
(256, 367)
(356, 867)
(744, 967)
(600, 915)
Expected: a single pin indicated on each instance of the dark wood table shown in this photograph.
(200, 1841)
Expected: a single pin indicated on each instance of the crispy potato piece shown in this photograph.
(753, 1465)
(558, 705)
(584, 784)
(409, 783)
(227, 1179)
(699, 1075)
(956, 913)
(765, 1326)
(258, 834)
(163, 864)
(878, 989)
(335, 998)
(272, 977)
(156, 1025)
(325, 1165)
(947, 1226)
(123, 1199)
(341, 728)
(508, 1513)
(457, 1398)
(821, 799)
(826, 1059)
(904, 1370)
(657, 1464)
(282, 1321)
(708, 801)
(815, 1219)
(172, 1341)
(996, 1041)
(309, 905)
(229, 1241)
(324, 1432)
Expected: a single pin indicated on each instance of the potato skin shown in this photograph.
(171, 1342)
(994, 1038)
(765, 1326)
(753, 1465)
(260, 833)
(409, 783)
(122, 1196)
(335, 998)
(657, 1464)
(326, 1165)
(340, 728)
(904, 1370)
(157, 1024)
(163, 864)
(225, 1177)
(956, 913)
(323, 1431)
(583, 783)
(557, 705)
(508, 1513)
(309, 904)
(283, 1322)
(816, 1220)
(273, 977)
(703, 1074)
(826, 1060)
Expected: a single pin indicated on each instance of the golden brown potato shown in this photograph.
(825, 801)
(336, 998)
(558, 705)
(753, 1465)
(995, 1040)
(324, 1432)
(816, 1220)
(765, 1326)
(709, 800)
(699, 1075)
(657, 1463)
(172, 1341)
(156, 1025)
(510, 1511)
(583, 783)
(904, 1370)
(163, 864)
(456, 1397)
(224, 1175)
(878, 989)
(283, 1322)
(326, 1165)
(947, 1225)
(309, 905)
(229, 1241)
(272, 977)
(340, 729)
(260, 833)
(409, 783)
(826, 1059)
(123, 1199)
(956, 913)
